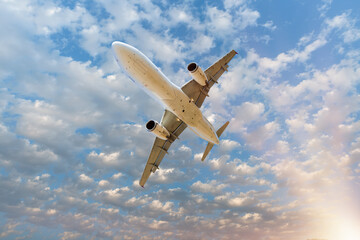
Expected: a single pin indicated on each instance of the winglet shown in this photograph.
(210, 145)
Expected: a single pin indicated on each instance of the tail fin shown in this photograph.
(210, 145)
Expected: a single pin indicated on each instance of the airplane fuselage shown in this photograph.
(144, 72)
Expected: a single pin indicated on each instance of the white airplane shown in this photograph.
(182, 106)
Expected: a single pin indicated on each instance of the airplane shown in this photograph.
(182, 105)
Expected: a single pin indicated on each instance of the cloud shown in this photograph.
(220, 21)
(8, 229)
(257, 138)
(114, 196)
(211, 187)
(102, 159)
(326, 4)
(167, 176)
(28, 157)
(283, 59)
(69, 235)
(227, 145)
(85, 179)
(246, 114)
(235, 16)
(235, 201)
(344, 23)
(270, 25)
(202, 44)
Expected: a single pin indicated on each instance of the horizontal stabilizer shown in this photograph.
(222, 129)
(210, 145)
(207, 150)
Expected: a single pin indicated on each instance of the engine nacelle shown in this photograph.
(157, 129)
(197, 73)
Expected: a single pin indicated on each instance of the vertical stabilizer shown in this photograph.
(210, 145)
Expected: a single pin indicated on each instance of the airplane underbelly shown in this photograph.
(151, 78)
(189, 113)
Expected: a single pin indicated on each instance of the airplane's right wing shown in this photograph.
(197, 92)
(175, 126)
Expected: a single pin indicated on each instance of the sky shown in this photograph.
(73, 142)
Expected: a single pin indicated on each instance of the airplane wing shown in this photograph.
(175, 126)
(197, 92)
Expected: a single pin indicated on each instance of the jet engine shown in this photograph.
(197, 73)
(159, 130)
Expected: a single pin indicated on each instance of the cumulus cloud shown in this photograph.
(245, 114)
(236, 16)
(257, 138)
(211, 187)
(227, 145)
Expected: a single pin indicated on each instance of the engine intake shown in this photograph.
(157, 129)
(197, 73)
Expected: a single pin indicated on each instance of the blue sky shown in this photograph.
(73, 142)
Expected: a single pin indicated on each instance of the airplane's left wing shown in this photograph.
(197, 92)
(175, 126)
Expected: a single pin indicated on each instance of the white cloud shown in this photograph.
(233, 3)
(270, 25)
(202, 44)
(26, 156)
(93, 39)
(135, 202)
(281, 147)
(69, 235)
(248, 17)
(122, 19)
(8, 229)
(102, 159)
(220, 21)
(182, 14)
(227, 145)
(212, 187)
(167, 176)
(283, 59)
(257, 138)
(230, 200)
(326, 4)
(115, 196)
(159, 225)
(104, 183)
(245, 114)
(117, 175)
(235, 16)
(157, 206)
(343, 22)
(236, 170)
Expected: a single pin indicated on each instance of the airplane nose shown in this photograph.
(121, 51)
(118, 47)
(117, 44)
